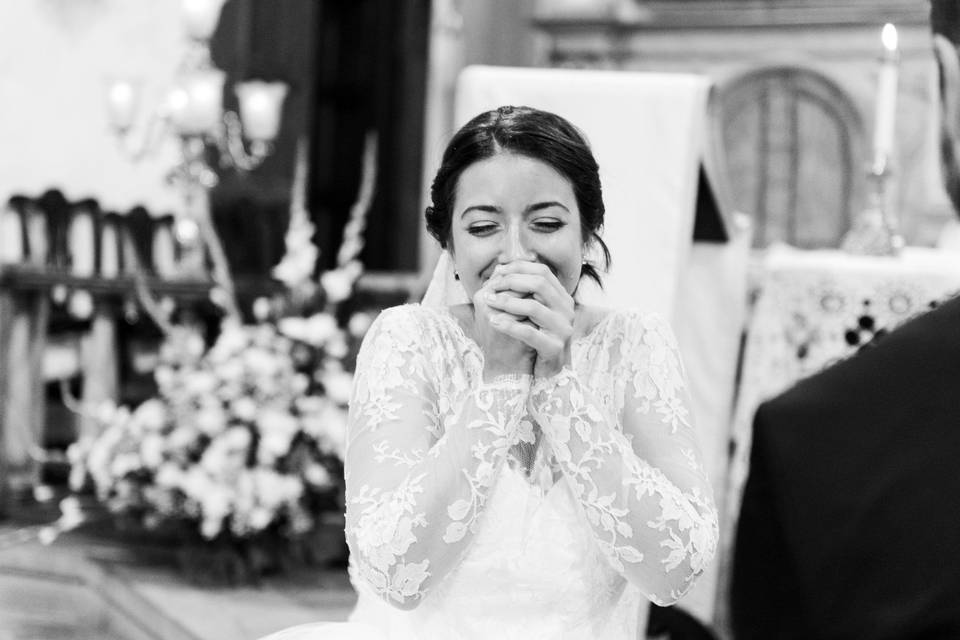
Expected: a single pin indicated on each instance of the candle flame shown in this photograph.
(889, 37)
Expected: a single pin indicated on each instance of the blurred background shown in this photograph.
(160, 159)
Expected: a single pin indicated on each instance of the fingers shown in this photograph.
(542, 342)
(482, 302)
(530, 278)
(553, 320)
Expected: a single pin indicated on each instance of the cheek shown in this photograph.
(565, 259)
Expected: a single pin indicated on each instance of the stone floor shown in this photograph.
(82, 587)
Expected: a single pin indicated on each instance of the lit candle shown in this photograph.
(200, 17)
(196, 104)
(122, 99)
(886, 98)
(260, 107)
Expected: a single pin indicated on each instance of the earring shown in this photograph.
(456, 276)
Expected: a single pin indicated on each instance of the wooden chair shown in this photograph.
(790, 143)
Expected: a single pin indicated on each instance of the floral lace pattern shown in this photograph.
(634, 466)
(428, 441)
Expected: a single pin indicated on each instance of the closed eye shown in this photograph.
(481, 230)
(548, 225)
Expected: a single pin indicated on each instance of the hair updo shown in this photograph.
(537, 134)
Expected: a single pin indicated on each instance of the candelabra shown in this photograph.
(193, 111)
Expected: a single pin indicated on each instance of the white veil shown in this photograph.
(444, 289)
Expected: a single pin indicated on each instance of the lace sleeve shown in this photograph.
(635, 465)
(416, 483)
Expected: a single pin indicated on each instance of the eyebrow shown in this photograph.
(537, 206)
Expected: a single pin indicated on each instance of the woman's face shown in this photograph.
(512, 207)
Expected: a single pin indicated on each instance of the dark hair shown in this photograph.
(540, 135)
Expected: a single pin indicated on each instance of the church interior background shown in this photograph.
(139, 211)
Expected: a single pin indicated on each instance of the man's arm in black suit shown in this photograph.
(765, 598)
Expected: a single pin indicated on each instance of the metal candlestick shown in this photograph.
(874, 231)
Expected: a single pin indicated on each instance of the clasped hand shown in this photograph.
(524, 320)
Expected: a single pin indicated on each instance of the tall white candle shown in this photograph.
(886, 108)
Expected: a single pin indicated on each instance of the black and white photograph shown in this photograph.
(480, 320)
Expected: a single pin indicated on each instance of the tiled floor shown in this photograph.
(80, 589)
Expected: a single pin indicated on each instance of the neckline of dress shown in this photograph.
(575, 344)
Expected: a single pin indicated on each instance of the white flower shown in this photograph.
(107, 412)
(261, 309)
(319, 328)
(193, 344)
(308, 405)
(200, 383)
(339, 385)
(299, 385)
(169, 476)
(232, 340)
(259, 518)
(211, 419)
(273, 489)
(337, 284)
(47, 535)
(230, 370)
(237, 438)
(125, 463)
(71, 515)
(244, 408)
(273, 420)
(182, 437)
(211, 527)
(261, 362)
(218, 296)
(329, 427)
(277, 428)
(294, 327)
(300, 259)
(151, 415)
(359, 323)
(272, 446)
(151, 450)
(337, 346)
(214, 461)
(195, 483)
(78, 476)
(353, 269)
(317, 475)
(164, 376)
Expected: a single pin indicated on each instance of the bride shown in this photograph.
(519, 464)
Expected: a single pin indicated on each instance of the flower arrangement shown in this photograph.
(241, 452)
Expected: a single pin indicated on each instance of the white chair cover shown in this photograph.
(647, 132)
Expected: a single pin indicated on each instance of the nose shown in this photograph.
(515, 246)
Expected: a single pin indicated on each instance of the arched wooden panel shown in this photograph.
(791, 149)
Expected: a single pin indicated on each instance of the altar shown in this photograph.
(814, 308)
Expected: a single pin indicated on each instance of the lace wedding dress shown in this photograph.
(518, 508)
